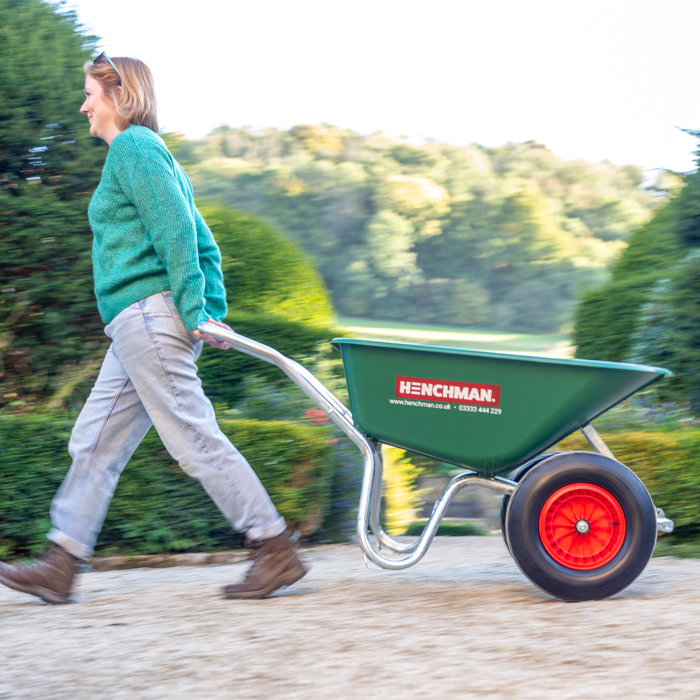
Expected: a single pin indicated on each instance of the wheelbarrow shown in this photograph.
(580, 525)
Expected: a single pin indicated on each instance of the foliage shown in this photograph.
(503, 236)
(643, 412)
(447, 528)
(668, 331)
(650, 311)
(157, 507)
(264, 272)
(666, 463)
(683, 548)
(222, 373)
(607, 317)
(688, 208)
(399, 494)
(49, 165)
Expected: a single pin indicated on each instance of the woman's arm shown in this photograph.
(210, 264)
(148, 177)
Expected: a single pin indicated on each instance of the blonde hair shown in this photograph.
(137, 102)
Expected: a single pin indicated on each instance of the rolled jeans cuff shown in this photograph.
(265, 533)
(80, 551)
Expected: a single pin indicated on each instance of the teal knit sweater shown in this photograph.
(148, 235)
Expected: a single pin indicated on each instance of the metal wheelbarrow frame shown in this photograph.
(368, 517)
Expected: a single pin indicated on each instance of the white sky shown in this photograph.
(598, 79)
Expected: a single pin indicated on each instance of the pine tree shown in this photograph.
(49, 166)
(668, 333)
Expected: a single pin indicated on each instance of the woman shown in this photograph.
(157, 275)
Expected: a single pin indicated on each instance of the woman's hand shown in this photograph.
(221, 344)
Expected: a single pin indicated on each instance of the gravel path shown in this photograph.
(462, 623)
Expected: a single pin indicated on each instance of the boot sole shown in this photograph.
(286, 579)
(48, 596)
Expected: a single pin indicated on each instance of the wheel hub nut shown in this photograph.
(582, 526)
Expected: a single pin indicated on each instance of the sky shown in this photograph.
(595, 79)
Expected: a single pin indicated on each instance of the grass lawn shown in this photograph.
(458, 337)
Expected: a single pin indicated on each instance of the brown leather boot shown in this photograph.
(50, 578)
(276, 565)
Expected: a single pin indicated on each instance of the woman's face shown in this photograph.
(100, 110)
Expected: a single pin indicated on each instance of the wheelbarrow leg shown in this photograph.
(595, 441)
(368, 497)
(663, 524)
(369, 514)
(383, 540)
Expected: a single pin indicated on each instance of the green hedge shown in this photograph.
(607, 317)
(264, 272)
(447, 529)
(157, 507)
(222, 373)
(667, 463)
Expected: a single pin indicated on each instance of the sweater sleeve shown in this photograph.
(210, 264)
(147, 175)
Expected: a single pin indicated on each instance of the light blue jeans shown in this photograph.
(149, 377)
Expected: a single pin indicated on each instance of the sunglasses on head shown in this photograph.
(104, 57)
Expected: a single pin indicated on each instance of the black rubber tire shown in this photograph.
(516, 476)
(522, 525)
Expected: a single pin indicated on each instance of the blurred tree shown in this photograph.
(469, 304)
(688, 208)
(515, 228)
(322, 141)
(650, 310)
(608, 317)
(419, 199)
(264, 272)
(389, 246)
(49, 165)
(413, 157)
(668, 330)
(51, 336)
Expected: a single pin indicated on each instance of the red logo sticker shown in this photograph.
(449, 392)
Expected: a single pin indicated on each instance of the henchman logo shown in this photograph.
(450, 392)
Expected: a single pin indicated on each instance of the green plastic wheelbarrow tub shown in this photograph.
(486, 411)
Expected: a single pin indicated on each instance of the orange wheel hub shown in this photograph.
(582, 526)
